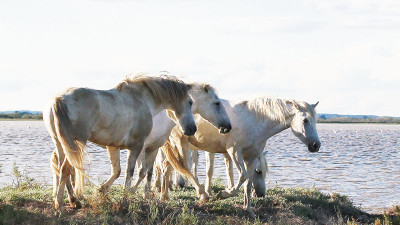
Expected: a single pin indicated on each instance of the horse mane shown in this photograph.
(203, 87)
(164, 88)
(276, 108)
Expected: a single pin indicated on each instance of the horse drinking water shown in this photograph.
(253, 122)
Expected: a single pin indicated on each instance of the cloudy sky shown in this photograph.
(344, 53)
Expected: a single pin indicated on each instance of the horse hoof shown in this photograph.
(146, 196)
(223, 195)
(251, 213)
(59, 210)
(204, 198)
(76, 205)
(102, 190)
(57, 214)
(164, 199)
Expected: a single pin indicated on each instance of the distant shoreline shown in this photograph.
(19, 119)
(321, 118)
(320, 122)
(371, 123)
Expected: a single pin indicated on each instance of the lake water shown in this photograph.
(359, 160)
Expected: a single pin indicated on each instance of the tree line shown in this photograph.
(21, 115)
(365, 119)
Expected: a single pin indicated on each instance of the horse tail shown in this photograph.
(73, 148)
(264, 166)
(172, 153)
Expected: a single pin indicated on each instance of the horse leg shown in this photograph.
(147, 158)
(64, 176)
(56, 171)
(133, 153)
(236, 154)
(157, 172)
(73, 201)
(250, 167)
(210, 170)
(180, 163)
(192, 179)
(179, 179)
(166, 170)
(140, 165)
(114, 154)
(195, 163)
(229, 170)
(151, 155)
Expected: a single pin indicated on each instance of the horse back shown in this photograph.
(107, 117)
(124, 119)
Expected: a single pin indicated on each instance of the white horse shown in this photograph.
(116, 118)
(253, 122)
(259, 176)
(205, 103)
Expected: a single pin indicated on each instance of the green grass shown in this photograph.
(30, 203)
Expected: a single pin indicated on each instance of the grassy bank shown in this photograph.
(30, 203)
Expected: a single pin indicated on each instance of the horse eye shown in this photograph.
(190, 102)
(217, 103)
(258, 171)
(305, 120)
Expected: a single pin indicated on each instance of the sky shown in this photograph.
(343, 53)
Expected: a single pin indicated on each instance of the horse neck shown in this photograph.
(150, 101)
(272, 127)
(276, 127)
(154, 108)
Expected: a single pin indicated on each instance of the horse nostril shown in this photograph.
(194, 129)
(190, 131)
(316, 145)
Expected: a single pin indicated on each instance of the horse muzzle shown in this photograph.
(224, 129)
(314, 147)
(190, 131)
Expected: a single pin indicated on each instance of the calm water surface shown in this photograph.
(361, 161)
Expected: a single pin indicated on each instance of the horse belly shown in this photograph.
(209, 144)
(115, 138)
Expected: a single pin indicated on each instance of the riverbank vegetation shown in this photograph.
(344, 119)
(28, 202)
(23, 115)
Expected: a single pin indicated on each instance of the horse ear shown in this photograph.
(206, 88)
(296, 106)
(189, 86)
(315, 105)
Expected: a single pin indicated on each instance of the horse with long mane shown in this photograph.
(205, 102)
(117, 118)
(253, 122)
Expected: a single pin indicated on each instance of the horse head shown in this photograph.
(303, 125)
(209, 106)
